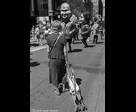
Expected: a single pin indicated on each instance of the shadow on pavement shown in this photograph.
(90, 46)
(76, 50)
(78, 43)
(78, 80)
(34, 45)
(33, 64)
(100, 42)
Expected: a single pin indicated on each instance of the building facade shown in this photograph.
(43, 8)
(38, 8)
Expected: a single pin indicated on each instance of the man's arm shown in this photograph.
(66, 53)
(48, 50)
(85, 32)
(88, 30)
(73, 27)
(71, 31)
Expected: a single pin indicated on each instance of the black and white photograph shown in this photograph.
(67, 55)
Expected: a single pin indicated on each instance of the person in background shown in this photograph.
(77, 31)
(85, 33)
(37, 32)
(101, 29)
(81, 19)
(103, 26)
(95, 32)
(58, 56)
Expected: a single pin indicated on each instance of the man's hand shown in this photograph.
(48, 51)
(48, 55)
(66, 55)
(72, 31)
(66, 64)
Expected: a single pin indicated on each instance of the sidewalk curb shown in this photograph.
(37, 48)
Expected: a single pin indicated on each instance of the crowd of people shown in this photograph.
(39, 32)
(87, 31)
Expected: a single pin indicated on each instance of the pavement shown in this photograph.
(33, 49)
(89, 68)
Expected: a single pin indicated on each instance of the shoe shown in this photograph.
(86, 46)
(60, 88)
(64, 88)
(56, 91)
(70, 51)
(73, 42)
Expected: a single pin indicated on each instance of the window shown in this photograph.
(43, 4)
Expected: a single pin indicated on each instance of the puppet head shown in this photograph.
(65, 12)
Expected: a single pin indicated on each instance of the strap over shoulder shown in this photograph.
(55, 42)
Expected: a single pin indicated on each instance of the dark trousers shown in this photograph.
(69, 41)
(57, 71)
(95, 40)
(74, 38)
(84, 41)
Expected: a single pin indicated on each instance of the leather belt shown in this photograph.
(56, 59)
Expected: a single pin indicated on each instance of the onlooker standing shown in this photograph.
(101, 29)
(95, 32)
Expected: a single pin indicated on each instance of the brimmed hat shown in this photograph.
(56, 25)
